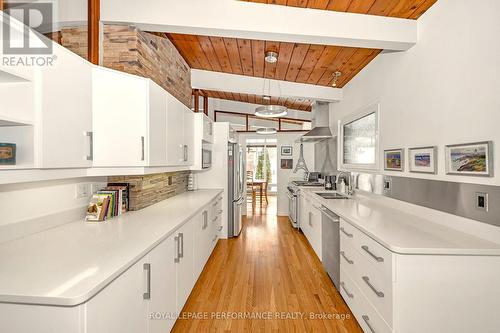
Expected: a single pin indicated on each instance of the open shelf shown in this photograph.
(23, 137)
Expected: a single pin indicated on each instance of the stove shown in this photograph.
(293, 200)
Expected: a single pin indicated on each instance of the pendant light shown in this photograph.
(336, 76)
(270, 110)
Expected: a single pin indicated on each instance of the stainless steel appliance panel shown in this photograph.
(331, 245)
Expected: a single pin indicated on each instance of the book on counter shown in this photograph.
(97, 208)
(109, 202)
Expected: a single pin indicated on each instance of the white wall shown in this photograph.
(444, 90)
(285, 175)
(35, 201)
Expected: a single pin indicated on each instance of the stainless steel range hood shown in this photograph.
(320, 124)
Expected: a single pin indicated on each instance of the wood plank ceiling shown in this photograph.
(409, 9)
(291, 103)
(303, 63)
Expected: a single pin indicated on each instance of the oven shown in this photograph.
(206, 158)
(293, 206)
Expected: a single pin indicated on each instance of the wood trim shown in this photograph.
(252, 116)
(247, 126)
(205, 104)
(94, 19)
(196, 94)
(1, 4)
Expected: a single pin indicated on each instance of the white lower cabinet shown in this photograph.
(310, 223)
(185, 279)
(121, 306)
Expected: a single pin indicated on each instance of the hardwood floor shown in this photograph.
(269, 270)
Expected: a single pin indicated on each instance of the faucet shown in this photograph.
(348, 178)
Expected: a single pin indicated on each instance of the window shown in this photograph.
(359, 139)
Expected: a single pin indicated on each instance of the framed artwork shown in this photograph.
(286, 150)
(470, 159)
(423, 159)
(394, 159)
(286, 163)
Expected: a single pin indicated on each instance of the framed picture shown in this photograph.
(286, 150)
(423, 159)
(286, 163)
(471, 159)
(394, 159)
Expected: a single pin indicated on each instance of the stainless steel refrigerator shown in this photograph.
(236, 195)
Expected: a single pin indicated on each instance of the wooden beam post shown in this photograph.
(1, 4)
(196, 94)
(247, 126)
(94, 18)
(279, 124)
(205, 104)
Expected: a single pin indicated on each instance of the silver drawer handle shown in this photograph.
(367, 281)
(215, 204)
(349, 261)
(147, 269)
(346, 233)
(220, 211)
(373, 255)
(219, 228)
(342, 284)
(215, 219)
(367, 321)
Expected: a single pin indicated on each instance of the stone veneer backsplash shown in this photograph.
(149, 189)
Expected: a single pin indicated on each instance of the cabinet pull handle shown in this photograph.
(215, 219)
(310, 223)
(181, 237)
(220, 211)
(373, 255)
(205, 220)
(185, 153)
(90, 156)
(349, 261)
(215, 203)
(367, 281)
(147, 294)
(142, 148)
(346, 233)
(367, 321)
(219, 228)
(177, 258)
(342, 284)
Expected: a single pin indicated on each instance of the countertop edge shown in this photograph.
(76, 301)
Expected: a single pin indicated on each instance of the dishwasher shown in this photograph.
(331, 244)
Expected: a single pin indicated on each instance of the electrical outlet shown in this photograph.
(95, 187)
(82, 190)
(482, 201)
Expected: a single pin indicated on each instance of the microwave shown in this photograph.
(206, 158)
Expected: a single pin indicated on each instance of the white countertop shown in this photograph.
(69, 264)
(405, 233)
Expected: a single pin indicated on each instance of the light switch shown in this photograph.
(482, 201)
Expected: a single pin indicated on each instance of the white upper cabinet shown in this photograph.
(180, 129)
(130, 118)
(206, 127)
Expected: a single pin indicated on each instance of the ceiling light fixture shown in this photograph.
(269, 110)
(266, 130)
(336, 75)
(271, 57)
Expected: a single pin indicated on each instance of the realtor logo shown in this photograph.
(19, 39)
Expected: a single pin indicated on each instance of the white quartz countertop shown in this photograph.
(405, 233)
(69, 264)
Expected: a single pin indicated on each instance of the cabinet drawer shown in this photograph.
(376, 254)
(368, 318)
(375, 285)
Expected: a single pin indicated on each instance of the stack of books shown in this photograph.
(109, 202)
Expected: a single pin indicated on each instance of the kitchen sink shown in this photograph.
(333, 195)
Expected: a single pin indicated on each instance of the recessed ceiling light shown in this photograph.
(336, 75)
(266, 130)
(271, 57)
(271, 111)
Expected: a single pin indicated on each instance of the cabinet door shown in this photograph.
(315, 231)
(120, 307)
(202, 241)
(188, 136)
(208, 129)
(119, 118)
(185, 266)
(157, 128)
(163, 302)
(175, 132)
(65, 95)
